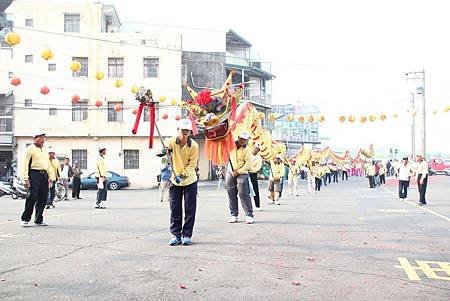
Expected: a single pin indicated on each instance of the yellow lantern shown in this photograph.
(321, 119)
(173, 102)
(395, 115)
(271, 117)
(75, 66)
(341, 119)
(290, 117)
(12, 38)
(414, 113)
(301, 119)
(311, 118)
(372, 118)
(261, 115)
(47, 54)
(134, 89)
(383, 117)
(362, 119)
(162, 99)
(118, 83)
(99, 75)
(351, 118)
(447, 109)
(435, 112)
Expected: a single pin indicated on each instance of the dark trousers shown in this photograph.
(422, 188)
(102, 193)
(51, 194)
(344, 174)
(176, 194)
(328, 176)
(371, 182)
(324, 180)
(254, 179)
(382, 179)
(38, 196)
(403, 189)
(76, 184)
(335, 177)
(318, 184)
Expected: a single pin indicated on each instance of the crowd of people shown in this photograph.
(179, 177)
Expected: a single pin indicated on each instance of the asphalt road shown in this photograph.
(348, 242)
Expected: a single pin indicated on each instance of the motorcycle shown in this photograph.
(19, 190)
(5, 189)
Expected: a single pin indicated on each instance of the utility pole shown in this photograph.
(418, 79)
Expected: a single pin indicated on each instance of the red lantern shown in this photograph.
(15, 81)
(75, 99)
(178, 117)
(98, 103)
(165, 116)
(45, 90)
(118, 107)
(134, 111)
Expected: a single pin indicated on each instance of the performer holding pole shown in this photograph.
(182, 152)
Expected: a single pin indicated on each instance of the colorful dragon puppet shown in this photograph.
(214, 112)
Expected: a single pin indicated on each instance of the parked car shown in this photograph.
(115, 181)
(438, 166)
(447, 171)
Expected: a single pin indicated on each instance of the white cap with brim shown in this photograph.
(244, 135)
(51, 150)
(279, 156)
(38, 133)
(185, 124)
(419, 155)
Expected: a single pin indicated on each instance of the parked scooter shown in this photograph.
(5, 189)
(19, 190)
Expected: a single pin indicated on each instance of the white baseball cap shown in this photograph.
(244, 135)
(185, 124)
(280, 156)
(51, 150)
(38, 133)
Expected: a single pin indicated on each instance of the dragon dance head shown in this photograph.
(211, 110)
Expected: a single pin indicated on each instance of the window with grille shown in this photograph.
(80, 155)
(28, 22)
(28, 103)
(131, 159)
(80, 110)
(51, 67)
(114, 116)
(151, 67)
(28, 58)
(115, 67)
(84, 67)
(71, 22)
(147, 116)
(52, 111)
(6, 114)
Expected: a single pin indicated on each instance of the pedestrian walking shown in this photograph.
(255, 166)
(54, 174)
(404, 174)
(183, 153)
(66, 174)
(164, 176)
(76, 180)
(35, 175)
(276, 177)
(382, 172)
(100, 175)
(237, 182)
(422, 178)
(293, 179)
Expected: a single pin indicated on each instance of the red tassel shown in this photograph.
(233, 108)
(152, 124)
(138, 118)
(194, 125)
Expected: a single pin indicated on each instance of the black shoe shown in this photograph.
(79, 198)
(47, 207)
(53, 206)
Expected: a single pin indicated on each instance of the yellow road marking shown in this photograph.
(394, 210)
(9, 235)
(420, 207)
(426, 268)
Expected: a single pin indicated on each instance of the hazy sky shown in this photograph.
(348, 57)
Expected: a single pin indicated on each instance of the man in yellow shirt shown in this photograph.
(255, 166)
(237, 179)
(422, 177)
(54, 174)
(100, 175)
(276, 176)
(183, 156)
(293, 178)
(35, 174)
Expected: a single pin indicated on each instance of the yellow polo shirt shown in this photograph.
(277, 171)
(101, 169)
(241, 160)
(54, 169)
(256, 163)
(39, 160)
(184, 160)
(422, 168)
